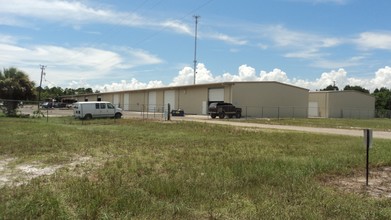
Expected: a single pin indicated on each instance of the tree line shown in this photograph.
(57, 92)
(16, 85)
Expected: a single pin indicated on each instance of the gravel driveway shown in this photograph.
(334, 131)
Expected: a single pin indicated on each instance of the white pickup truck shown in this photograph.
(99, 109)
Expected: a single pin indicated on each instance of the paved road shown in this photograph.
(334, 131)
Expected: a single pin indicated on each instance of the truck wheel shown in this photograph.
(117, 115)
(222, 115)
(213, 116)
(88, 117)
(238, 115)
(230, 116)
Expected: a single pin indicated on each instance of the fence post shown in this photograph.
(143, 111)
(168, 111)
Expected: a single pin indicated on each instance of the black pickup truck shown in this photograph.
(223, 109)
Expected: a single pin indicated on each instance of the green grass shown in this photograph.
(380, 124)
(183, 170)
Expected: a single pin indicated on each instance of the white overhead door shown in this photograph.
(313, 109)
(126, 102)
(169, 98)
(216, 95)
(116, 101)
(152, 101)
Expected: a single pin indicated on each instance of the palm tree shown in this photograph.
(15, 86)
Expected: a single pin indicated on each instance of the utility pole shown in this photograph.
(195, 47)
(40, 83)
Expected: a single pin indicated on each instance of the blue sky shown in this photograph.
(116, 45)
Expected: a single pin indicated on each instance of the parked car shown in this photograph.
(223, 109)
(47, 105)
(89, 110)
(60, 105)
(178, 112)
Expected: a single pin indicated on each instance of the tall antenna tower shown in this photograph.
(196, 17)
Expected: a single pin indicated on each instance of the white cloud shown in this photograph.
(283, 37)
(382, 78)
(75, 14)
(306, 46)
(185, 77)
(334, 64)
(66, 64)
(275, 75)
(134, 84)
(7, 39)
(226, 38)
(177, 26)
(374, 40)
(311, 53)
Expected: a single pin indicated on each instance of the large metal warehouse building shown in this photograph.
(266, 99)
(341, 104)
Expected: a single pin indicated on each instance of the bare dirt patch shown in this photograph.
(379, 183)
(15, 175)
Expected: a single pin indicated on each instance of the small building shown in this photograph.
(341, 104)
(263, 99)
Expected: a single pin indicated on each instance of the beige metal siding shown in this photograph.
(137, 100)
(270, 99)
(258, 99)
(190, 99)
(105, 97)
(344, 104)
(351, 104)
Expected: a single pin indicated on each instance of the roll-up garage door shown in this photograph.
(169, 97)
(216, 95)
(152, 102)
(126, 102)
(116, 101)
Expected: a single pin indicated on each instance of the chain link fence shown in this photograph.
(161, 112)
(47, 110)
(383, 113)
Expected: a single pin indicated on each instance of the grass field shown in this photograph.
(182, 170)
